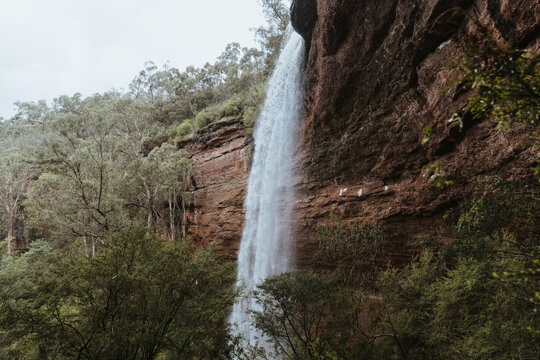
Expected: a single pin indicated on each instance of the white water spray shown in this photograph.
(266, 247)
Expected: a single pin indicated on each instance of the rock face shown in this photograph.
(304, 18)
(222, 160)
(374, 79)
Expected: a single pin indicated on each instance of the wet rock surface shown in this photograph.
(304, 17)
(374, 79)
(222, 158)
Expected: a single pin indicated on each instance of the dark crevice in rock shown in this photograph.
(382, 32)
(506, 27)
(445, 20)
(304, 18)
(346, 99)
(529, 38)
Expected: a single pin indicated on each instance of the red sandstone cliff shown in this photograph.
(374, 79)
(222, 159)
(375, 76)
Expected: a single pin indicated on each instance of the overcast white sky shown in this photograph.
(54, 47)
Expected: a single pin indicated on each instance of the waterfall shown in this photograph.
(266, 248)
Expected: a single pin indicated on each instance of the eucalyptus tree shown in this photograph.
(18, 141)
(270, 37)
(15, 174)
(76, 195)
(158, 184)
(138, 298)
(175, 170)
(276, 13)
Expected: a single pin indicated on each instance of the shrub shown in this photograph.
(250, 116)
(185, 128)
(475, 297)
(138, 298)
(208, 116)
(233, 106)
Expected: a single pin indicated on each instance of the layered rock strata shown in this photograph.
(374, 78)
(222, 158)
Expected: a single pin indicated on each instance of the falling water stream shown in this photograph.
(266, 248)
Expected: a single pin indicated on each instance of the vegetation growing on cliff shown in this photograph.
(504, 83)
(471, 293)
(474, 296)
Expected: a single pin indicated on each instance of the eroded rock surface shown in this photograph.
(374, 79)
(222, 159)
(304, 18)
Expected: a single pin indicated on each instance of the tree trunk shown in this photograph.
(184, 219)
(171, 219)
(149, 208)
(9, 237)
(85, 246)
(12, 222)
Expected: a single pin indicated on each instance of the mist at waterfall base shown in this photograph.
(266, 248)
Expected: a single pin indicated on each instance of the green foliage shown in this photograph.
(250, 116)
(449, 304)
(319, 349)
(456, 120)
(303, 311)
(102, 166)
(475, 297)
(244, 105)
(138, 298)
(83, 149)
(254, 98)
(505, 86)
(427, 135)
(233, 106)
(19, 276)
(351, 248)
(162, 177)
(82, 172)
(436, 175)
(17, 146)
(271, 36)
(174, 96)
(506, 82)
(208, 116)
(184, 128)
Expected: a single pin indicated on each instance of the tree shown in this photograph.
(473, 297)
(16, 171)
(293, 308)
(351, 249)
(138, 298)
(309, 315)
(20, 303)
(276, 13)
(271, 37)
(77, 195)
(14, 179)
(162, 177)
(101, 167)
